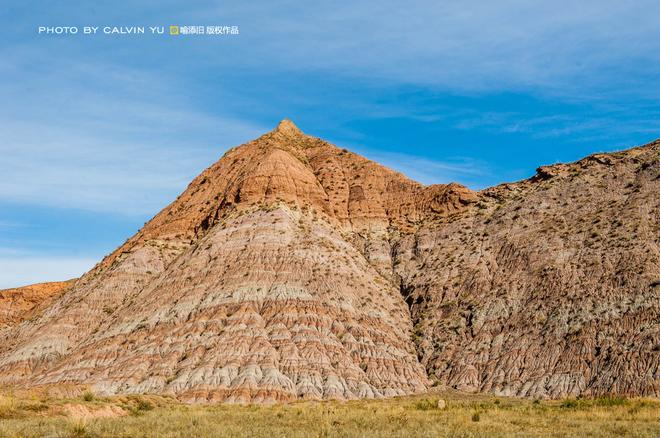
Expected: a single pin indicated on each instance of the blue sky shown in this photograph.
(98, 133)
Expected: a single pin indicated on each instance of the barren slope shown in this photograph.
(244, 288)
(548, 287)
(295, 269)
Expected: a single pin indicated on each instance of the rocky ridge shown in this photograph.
(545, 288)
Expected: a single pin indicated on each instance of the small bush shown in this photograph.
(425, 405)
(476, 417)
(144, 405)
(88, 396)
(79, 429)
(569, 404)
(137, 405)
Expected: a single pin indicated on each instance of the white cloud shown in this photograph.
(10, 224)
(126, 152)
(21, 271)
(45, 165)
(466, 171)
(576, 49)
(574, 127)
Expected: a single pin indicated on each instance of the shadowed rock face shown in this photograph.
(545, 288)
(294, 269)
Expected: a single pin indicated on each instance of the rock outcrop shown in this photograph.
(294, 269)
(246, 288)
(25, 302)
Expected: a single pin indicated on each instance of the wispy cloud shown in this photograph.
(9, 224)
(576, 50)
(470, 172)
(573, 127)
(21, 271)
(123, 152)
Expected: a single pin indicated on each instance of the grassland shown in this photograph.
(39, 415)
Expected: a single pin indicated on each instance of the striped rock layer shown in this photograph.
(292, 269)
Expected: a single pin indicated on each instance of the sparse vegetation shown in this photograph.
(79, 428)
(457, 415)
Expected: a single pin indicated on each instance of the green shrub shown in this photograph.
(144, 405)
(425, 405)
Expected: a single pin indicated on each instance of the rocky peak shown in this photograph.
(287, 128)
(286, 165)
(286, 136)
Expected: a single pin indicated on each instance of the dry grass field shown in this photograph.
(86, 415)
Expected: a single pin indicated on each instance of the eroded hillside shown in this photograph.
(20, 303)
(545, 288)
(295, 269)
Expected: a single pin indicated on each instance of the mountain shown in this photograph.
(295, 269)
(545, 288)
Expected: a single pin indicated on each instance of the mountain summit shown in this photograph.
(288, 128)
(295, 269)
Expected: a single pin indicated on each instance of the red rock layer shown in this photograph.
(25, 302)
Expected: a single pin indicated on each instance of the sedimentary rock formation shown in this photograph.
(295, 269)
(545, 288)
(244, 289)
(25, 302)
